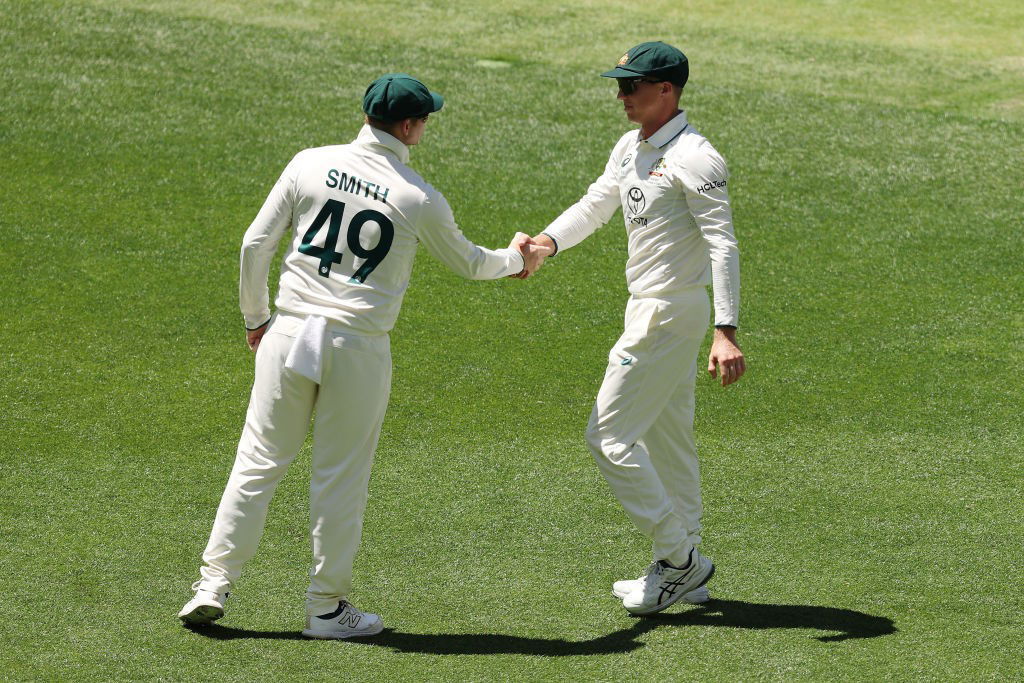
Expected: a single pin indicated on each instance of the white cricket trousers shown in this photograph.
(641, 428)
(349, 402)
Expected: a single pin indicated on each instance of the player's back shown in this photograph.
(355, 233)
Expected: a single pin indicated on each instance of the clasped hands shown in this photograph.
(534, 252)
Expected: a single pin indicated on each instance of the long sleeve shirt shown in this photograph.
(356, 214)
(672, 188)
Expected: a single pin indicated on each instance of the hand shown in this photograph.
(726, 355)
(533, 254)
(253, 337)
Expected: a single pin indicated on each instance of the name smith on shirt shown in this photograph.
(356, 186)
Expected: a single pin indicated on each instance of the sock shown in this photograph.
(689, 561)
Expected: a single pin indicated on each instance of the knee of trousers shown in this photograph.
(605, 448)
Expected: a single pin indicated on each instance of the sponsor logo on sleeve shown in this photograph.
(629, 157)
(707, 187)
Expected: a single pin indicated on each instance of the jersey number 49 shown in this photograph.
(334, 210)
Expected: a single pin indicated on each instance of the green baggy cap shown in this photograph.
(394, 97)
(653, 60)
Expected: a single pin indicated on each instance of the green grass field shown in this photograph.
(862, 483)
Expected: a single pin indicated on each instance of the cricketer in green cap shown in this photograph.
(673, 189)
(394, 97)
(655, 61)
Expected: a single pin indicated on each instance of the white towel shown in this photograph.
(306, 356)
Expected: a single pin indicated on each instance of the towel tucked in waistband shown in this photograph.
(306, 356)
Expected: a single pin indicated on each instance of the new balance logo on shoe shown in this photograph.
(347, 621)
(350, 618)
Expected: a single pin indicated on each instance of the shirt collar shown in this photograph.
(667, 133)
(373, 136)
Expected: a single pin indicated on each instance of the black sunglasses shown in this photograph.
(628, 86)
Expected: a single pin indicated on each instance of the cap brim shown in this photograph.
(621, 72)
(438, 102)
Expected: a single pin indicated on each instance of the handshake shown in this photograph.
(534, 251)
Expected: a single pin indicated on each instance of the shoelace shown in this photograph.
(654, 570)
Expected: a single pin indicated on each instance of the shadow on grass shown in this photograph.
(839, 624)
(218, 632)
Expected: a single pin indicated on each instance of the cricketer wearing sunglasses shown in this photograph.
(672, 187)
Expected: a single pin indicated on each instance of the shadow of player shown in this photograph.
(838, 624)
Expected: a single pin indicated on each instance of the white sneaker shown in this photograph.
(621, 589)
(205, 608)
(664, 584)
(347, 621)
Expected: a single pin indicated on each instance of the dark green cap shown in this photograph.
(653, 60)
(394, 97)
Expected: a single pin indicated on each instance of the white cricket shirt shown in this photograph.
(357, 213)
(672, 189)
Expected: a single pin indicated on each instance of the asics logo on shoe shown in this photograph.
(669, 589)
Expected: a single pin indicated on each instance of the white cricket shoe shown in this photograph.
(205, 608)
(348, 621)
(664, 584)
(621, 589)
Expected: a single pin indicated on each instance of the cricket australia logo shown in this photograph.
(635, 201)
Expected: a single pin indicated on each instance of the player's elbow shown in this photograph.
(254, 246)
(725, 252)
(253, 239)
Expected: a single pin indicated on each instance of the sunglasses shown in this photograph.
(628, 86)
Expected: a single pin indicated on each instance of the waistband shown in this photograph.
(672, 294)
(290, 325)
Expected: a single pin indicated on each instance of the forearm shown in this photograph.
(574, 225)
(253, 292)
(725, 282)
(714, 219)
(481, 263)
(259, 246)
(447, 244)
